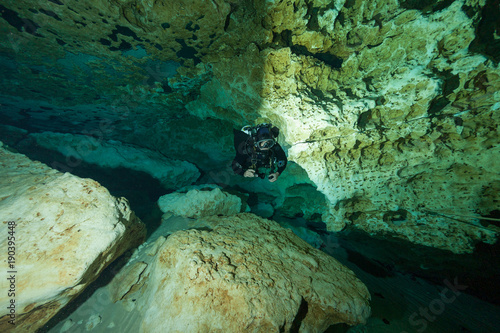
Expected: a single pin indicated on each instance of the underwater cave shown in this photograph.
(368, 203)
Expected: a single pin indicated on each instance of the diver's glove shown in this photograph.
(273, 177)
(250, 173)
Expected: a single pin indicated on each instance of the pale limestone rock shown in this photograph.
(67, 231)
(114, 154)
(199, 203)
(246, 274)
(386, 117)
(233, 274)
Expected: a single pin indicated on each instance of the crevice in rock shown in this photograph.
(426, 6)
(125, 31)
(139, 278)
(21, 24)
(227, 21)
(437, 105)
(312, 16)
(450, 82)
(349, 3)
(104, 278)
(192, 28)
(338, 328)
(51, 14)
(396, 217)
(371, 266)
(487, 29)
(187, 52)
(285, 39)
(301, 315)
(363, 119)
(385, 255)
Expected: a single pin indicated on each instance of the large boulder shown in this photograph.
(239, 273)
(63, 231)
(200, 202)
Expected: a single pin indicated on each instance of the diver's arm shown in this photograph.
(240, 163)
(281, 159)
(237, 168)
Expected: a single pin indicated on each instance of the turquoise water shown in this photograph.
(175, 81)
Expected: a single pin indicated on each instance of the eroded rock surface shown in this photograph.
(200, 203)
(67, 230)
(246, 274)
(232, 274)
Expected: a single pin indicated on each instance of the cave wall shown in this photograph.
(391, 107)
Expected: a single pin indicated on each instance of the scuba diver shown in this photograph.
(257, 152)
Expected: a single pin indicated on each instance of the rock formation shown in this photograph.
(113, 154)
(234, 274)
(199, 203)
(66, 230)
(390, 106)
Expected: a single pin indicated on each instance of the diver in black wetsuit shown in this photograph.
(257, 152)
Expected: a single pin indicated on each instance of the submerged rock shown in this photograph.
(65, 231)
(236, 274)
(113, 154)
(199, 203)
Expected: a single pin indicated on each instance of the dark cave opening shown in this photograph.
(301, 315)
